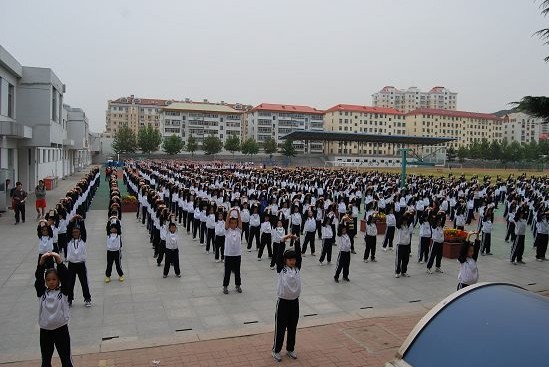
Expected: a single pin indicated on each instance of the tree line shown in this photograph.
(148, 140)
(504, 151)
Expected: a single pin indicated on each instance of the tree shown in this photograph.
(173, 144)
(451, 154)
(149, 139)
(537, 107)
(232, 144)
(269, 146)
(288, 148)
(531, 151)
(212, 145)
(484, 149)
(250, 147)
(124, 141)
(462, 153)
(192, 145)
(495, 150)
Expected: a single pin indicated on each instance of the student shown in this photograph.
(114, 245)
(344, 257)
(468, 271)
(210, 229)
(196, 218)
(542, 229)
(62, 238)
(424, 238)
(52, 290)
(265, 235)
(486, 229)
(390, 231)
(255, 228)
(459, 219)
(327, 240)
(163, 221)
(219, 243)
(277, 236)
(172, 251)
(296, 221)
(52, 220)
(233, 249)
(511, 223)
(76, 256)
(370, 238)
(203, 218)
(309, 228)
(245, 215)
(403, 249)
(288, 267)
(436, 247)
(45, 243)
(518, 244)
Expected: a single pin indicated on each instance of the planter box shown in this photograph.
(450, 250)
(381, 227)
(129, 207)
(362, 225)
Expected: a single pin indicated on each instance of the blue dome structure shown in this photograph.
(488, 324)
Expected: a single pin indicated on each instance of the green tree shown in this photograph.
(250, 147)
(232, 144)
(474, 150)
(149, 139)
(287, 149)
(484, 149)
(515, 152)
(451, 154)
(212, 145)
(495, 150)
(531, 151)
(192, 145)
(544, 33)
(173, 144)
(124, 141)
(462, 153)
(269, 146)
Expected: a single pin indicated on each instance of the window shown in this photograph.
(11, 100)
(53, 103)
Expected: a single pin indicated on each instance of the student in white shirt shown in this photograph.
(390, 220)
(245, 215)
(172, 251)
(403, 247)
(233, 249)
(310, 229)
(277, 236)
(542, 230)
(327, 240)
(437, 234)
(517, 249)
(76, 256)
(370, 238)
(288, 267)
(486, 229)
(210, 229)
(468, 271)
(219, 243)
(113, 254)
(344, 257)
(424, 238)
(265, 235)
(255, 228)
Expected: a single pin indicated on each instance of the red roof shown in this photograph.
(286, 108)
(452, 113)
(364, 109)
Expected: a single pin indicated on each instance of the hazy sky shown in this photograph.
(314, 52)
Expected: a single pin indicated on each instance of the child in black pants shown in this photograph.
(344, 257)
(114, 245)
(288, 267)
(172, 251)
(52, 289)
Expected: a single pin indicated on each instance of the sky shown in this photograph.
(309, 52)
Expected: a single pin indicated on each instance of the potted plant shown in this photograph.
(129, 203)
(452, 242)
(381, 222)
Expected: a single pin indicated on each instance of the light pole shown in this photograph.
(403, 156)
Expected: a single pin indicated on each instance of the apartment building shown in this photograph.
(522, 128)
(134, 113)
(410, 99)
(269, 120)
(37, 136)
(367, 120)
(200, 120)
(464, 127)
(78, 132)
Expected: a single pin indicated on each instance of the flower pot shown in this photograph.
(362, 225)
(450, 250)
(381, 227)
(129, 207)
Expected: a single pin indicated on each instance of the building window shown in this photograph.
(11, 100)
(53, 104)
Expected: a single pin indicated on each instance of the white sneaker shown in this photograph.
(250, 250)
(292, 354)
(217, 261)
(202, 244)
(405, 275)
(277, 357)
(87, 303)
(421, 262)
(397, 275)
(438, 270)
(258, 259)
(366, 260)
(385, 249)
(321, 263)
(272, 268)
(429, 271)
(207, 252)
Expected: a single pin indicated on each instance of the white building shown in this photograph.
(200, 120)
(36, 138)
(275, 121)
(406, 100)
(522, 128)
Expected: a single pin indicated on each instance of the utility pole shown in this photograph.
(403, 156)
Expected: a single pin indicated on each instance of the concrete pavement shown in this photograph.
(147, 310)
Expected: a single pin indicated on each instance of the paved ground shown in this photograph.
(147, 310)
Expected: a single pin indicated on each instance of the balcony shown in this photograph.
(13, 129)
(68, 142)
